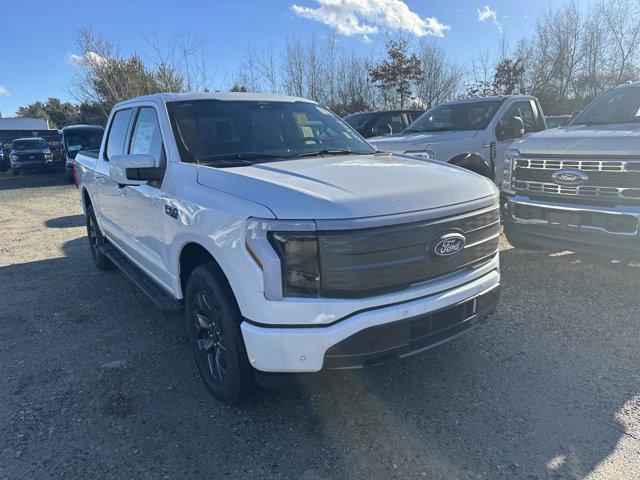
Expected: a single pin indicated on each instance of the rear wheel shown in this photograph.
(96, 241)
(213, 321)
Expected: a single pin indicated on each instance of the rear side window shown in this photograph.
(146, 137)
(118, 132)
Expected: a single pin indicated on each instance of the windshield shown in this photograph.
(83, 140)
(456, 116)
(620, 105)
(246, 132)
(29, 144)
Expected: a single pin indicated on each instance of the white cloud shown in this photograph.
(89, 58)
(487, 13)
(366, 17)
(4, 91)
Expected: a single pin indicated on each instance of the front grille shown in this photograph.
(364, 262)
(30, 157)
(608, 179)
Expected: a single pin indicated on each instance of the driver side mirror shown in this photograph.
(136, 169)
(383, 130)
(511, 128)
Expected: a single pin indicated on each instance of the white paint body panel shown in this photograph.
(214, 205)
(448, 145)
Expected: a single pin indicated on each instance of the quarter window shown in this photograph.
(118, 132)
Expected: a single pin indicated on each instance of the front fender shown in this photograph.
(475, 163)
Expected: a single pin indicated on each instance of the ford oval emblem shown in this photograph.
(570, 178)
(447, 245)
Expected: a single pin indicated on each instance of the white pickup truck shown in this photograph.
(288, 241)
(473, 133)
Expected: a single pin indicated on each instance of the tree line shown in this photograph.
(572, 56)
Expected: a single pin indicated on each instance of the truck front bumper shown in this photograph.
(373, 335)
(608, 231)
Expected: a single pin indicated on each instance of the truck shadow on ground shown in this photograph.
(68, 221)
(535, 393)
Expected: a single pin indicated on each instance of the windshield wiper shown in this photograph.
(330, 151)
(242, 158)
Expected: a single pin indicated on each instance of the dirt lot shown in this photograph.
(97, 384)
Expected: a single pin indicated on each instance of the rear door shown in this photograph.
(110, 194)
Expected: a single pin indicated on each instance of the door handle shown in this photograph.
(171, 211)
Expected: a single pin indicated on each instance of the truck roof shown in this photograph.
(492, 97)
(223, 96)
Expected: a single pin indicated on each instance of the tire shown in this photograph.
(96, 241)
(212, 320)
(15, 172)
(69, 175)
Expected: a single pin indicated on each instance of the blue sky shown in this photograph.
(37, 37)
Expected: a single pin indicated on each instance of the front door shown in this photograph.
(525, 109)
(143, 215)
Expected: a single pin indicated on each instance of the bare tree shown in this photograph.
(622, 20)
(440, 79)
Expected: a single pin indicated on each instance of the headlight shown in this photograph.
(508, 164)
(14, 158)
(287, 253)
(426, 154)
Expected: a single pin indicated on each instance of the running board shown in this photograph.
(162, 299)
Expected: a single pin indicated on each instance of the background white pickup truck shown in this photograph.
(472, 133)
(289, 242)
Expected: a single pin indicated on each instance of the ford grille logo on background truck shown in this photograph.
(447, 245)
(569, 177)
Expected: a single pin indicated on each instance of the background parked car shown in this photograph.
(31, 153)
(75, 138)
(4, 159)
(382, 122)
(472, 133)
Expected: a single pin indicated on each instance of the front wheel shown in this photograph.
(213, 328)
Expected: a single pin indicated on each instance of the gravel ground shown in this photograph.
(98, 384)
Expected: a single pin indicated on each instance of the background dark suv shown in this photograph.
(382, 122)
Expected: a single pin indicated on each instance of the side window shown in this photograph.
(146, 137)
(523, 110)
(394, 120)
(118, 132)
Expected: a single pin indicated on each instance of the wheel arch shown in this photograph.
(475, 163)
(192, 255)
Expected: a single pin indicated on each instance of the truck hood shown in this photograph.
(418, 141)
(352, 186)
(592, 140)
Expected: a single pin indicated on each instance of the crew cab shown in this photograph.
(473, 133)
(31, 153)
(290, 244)
(74, 138)
(577, 187)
